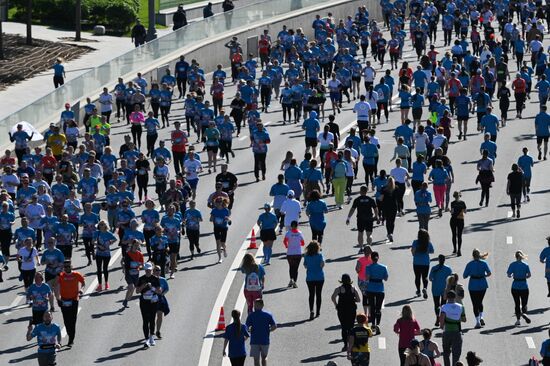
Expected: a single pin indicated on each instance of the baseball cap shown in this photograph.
(267, 205)
(290, 193)
(148, 266)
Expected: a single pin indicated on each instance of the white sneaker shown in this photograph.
(146, 344)
(152, 341)
(518, 323)
(220, 261)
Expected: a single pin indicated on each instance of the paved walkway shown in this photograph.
(106, 48)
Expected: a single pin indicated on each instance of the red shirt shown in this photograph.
(49, 161)
(263, 46)
(7, 161)
(407, 329)
(454, 87)
(179, 141)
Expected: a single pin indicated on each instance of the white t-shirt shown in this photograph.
(399, 174)
(421, 141)
(535, 45)
(10, 182)
(72, 134)
(294, 241)
(372, 100)
(28, 261)
(363, 110)
(438, 140)
(192, 168)
(34, 213)
(334, 85)
(368, 74)
(374, 140)
(292, 209)
(106, 102)
(325, 142)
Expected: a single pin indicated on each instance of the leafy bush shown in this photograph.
(116, 15)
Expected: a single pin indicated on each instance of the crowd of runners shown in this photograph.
(77, 189)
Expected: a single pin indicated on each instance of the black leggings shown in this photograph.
(293, 265)
(438, 301)
(520, 300)
(28, 277)
(315, 288)
(193, 236)
(237, 361)
(148, 234)
(102, 268)
(136, 134)
(5, 242)
(148, 315)
(317, 235)
(347, 320)
(400, 192)
(142, 182)
(477, 301)
(88, 247)
(259, 164)
(164, 111)
(151, 139)
(421, 272)
(390, 221)
(375, 300)
(457, 225)
(287, 110)
(485, 192)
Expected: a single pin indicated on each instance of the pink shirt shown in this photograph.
(363, 263)
(294, 241)
(407, 329)
(137, 117)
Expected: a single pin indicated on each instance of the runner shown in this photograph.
(358, 347)
(344, 299)
(314, 262)
(148, 286)
(267, 221)
(407, 328)
(69, 290)
(421, 249)
(450, 319)
(260, 324)
(254, 280)
(48, 335)
(293, 242)
(514, 189)
(220, 216)
(542, 130)
(520, 272)
(376, 274)
(235, 336)
(478, 270)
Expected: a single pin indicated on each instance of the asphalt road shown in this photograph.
(109, 334)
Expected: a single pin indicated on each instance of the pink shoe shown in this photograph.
(99, 288)
(106, 285)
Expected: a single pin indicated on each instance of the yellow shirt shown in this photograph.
(361, 335)
(57, 143)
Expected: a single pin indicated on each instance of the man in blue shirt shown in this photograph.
(58, 73)
(260, 324)
(542, 130)
(489, 123)
(312, 126)
(260, 139)
(180, 71)
(422, 199)
(489, 145)
(48, 336)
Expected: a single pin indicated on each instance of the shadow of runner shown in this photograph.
(292, 324)
(325, 357)
(137, 344)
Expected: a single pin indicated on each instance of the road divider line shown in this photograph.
(242, 138)
(241, 301)
(344, 130)
(530, 342)
(382, 342)
(509, 240)
(208, 340)
(14, 304)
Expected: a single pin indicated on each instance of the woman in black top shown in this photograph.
(503, 96)
(334, 128)
(142, 176)
(148, 287)
(237, 111)
(458, 209)
(389, 206)
(346, 306)
(514, 189)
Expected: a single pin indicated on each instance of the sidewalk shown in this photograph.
(106, 48)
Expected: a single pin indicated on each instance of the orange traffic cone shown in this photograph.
(221, 321)
(253, 241)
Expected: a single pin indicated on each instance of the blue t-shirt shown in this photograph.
(422, 199)
(545, 348)
(159, 243)
(418, 171)
(88, 223)
(439, 176)
(545, 257)
(312, 175)
(193, 218)
(525, 162)
(491, 148)
(422, 258)
(219, 215)
(462, 103)
(39, 295)
(490, 123)
(377, 273)
(260, 321)
(477, 270)
(172, 228)
(316, 211)
(267, 221)
(149, 218)
(104, 241)
(6, 219)
(311, 126)
(46, 335)
(542, 124)
(293, 173)
(278, 191)
(53, 259)
(237, 347)
(438, 276)
(314, 271)
(519, 271)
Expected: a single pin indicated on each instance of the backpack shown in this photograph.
(339, 169)
(252, 282)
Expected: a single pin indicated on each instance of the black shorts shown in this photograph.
(220, 233)
(38, 316)
(174, 248)
(48, 276)
(362, 125)
(356, 78)
(267, 234)
(365, 225)
(311, 141)
(462, 118)
(212, 148)
(131, 279)
(540, 139)
(417, 113)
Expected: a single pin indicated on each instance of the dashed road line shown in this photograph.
(382, 342)
(509, 240)
(530, 342)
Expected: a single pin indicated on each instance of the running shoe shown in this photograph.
(517, 323)
(424, 293)
(107, 285)
(99, 287)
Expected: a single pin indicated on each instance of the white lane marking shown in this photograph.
(530, 342)
(408, 191)
(241, 301)
(208, 341)
(509, 240)
(344, 130)
(13, 304)
(382, 342)
(268, 123)
(510, 213)
(242, 138)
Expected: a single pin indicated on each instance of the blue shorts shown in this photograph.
(193, 183)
